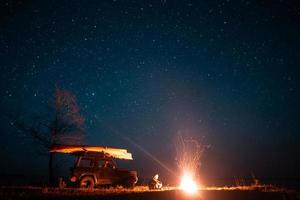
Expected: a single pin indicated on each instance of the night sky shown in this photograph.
(225, 71)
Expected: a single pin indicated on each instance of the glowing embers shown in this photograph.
(188, 184)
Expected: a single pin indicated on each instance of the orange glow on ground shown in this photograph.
(188, 184)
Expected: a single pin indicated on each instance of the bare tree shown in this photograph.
(67, 125)
(62, 125)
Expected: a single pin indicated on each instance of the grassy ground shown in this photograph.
(142, 193)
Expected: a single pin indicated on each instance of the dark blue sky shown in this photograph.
(224, 70)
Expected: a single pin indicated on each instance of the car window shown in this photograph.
(108, 164)
(85, 163)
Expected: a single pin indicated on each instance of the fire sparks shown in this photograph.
(188, 184)
(188, 155)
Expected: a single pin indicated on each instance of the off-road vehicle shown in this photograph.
(95, 166)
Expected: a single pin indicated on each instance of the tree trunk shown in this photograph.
(50, 168)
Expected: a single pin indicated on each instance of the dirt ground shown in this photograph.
(140, 193)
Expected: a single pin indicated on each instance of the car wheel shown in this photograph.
(129, 183)
(87, 182)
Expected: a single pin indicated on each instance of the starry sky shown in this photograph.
(226, 71)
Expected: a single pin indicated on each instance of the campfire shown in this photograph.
(189, 153)
(188, 184)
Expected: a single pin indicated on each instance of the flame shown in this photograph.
(188, 184)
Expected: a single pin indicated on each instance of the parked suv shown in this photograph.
(90, 171)
(95, 166)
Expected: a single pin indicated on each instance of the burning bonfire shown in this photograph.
(189, 153)
(188, 184)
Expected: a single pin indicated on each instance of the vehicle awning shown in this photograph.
(73, 149)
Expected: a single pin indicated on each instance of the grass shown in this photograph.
(55, 191)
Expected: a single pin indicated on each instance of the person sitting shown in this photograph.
(154, 183)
